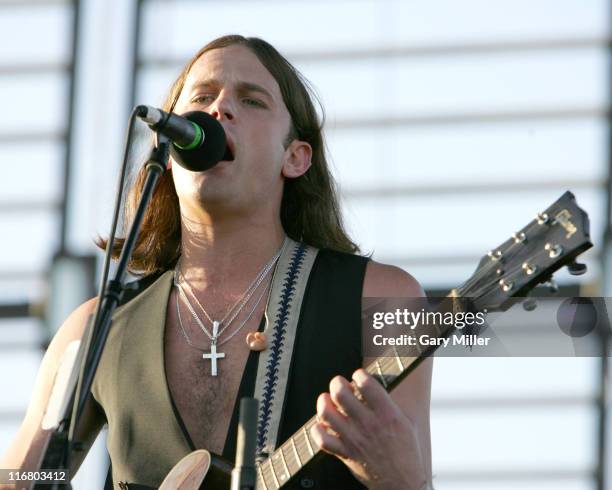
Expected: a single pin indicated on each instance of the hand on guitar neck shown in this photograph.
(359, 423)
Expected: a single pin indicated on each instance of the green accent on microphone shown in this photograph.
(197, 141)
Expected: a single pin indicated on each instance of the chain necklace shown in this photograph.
(236, 308)
(213, 355)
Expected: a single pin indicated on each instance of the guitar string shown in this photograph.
(471, 281)
(307, 457)
(310, 422)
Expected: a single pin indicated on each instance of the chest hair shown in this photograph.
(205, 402)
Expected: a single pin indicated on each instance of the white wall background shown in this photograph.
(449, 125)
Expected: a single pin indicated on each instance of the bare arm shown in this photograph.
(27, 448)
(413, 394)
(385, 441)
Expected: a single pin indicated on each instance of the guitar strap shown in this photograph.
(283, 311)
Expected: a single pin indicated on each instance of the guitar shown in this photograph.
(552, 240)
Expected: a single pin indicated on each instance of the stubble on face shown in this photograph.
(232, 85)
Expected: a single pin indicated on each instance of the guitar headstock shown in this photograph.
(553, 239)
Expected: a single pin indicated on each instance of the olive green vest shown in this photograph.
(145, 439)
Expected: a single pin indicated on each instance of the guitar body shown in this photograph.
(199, 469)
(189, 472)
(204, 470)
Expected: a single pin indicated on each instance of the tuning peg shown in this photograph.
(553, 250)
(495, 255)
(543, 219)
(530, 304)
(576, 268)
(552, 285)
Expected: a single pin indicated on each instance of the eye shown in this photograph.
(202, 99)
(254, 102)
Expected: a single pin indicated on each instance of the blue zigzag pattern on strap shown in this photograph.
(276, 349)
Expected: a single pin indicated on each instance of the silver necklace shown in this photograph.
(235, 309)
(213, 355)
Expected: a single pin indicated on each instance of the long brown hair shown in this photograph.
(309, 208)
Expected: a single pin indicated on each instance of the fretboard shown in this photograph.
(288, 459)
(389, 369)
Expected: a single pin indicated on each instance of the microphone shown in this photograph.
(198, 139)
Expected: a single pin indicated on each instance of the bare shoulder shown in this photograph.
(384, 280)
(72, 328)
(29, 442)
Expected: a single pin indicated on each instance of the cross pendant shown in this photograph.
(213, 355)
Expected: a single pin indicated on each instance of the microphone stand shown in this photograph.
(63, 443)
(244, 474)
(155, 167)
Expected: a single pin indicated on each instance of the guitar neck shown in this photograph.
(295, 453)
(554, 239)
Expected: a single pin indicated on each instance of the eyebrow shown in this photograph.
(241, 86)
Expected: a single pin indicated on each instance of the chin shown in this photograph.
(213, 189)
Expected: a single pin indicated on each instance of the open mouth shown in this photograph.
(228, 155)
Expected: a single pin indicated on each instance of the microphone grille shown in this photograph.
(210, 152)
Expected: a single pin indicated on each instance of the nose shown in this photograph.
(222, 108)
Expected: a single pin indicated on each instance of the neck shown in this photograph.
(229, 252)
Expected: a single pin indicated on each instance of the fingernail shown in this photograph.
(360, 376)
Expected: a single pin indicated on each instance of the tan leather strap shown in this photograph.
(289, 284)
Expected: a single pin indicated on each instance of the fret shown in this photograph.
(399, 359)
(282, 473)
(393, 366)
(269, 477)
(291, 464)
(380, 372)
(310, 424)
(274, 474)
(288, 459)
(285, 463)
(302, 447)
(308, 441)
(370, 369)
(261, 477)
(297, 455)
(389, 368)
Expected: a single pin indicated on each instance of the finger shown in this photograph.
(373, 392)
(327, 442)
(329, 415)
(343, 396)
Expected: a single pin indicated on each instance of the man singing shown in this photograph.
(251, 287)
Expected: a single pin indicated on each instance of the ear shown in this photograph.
(297, 159)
